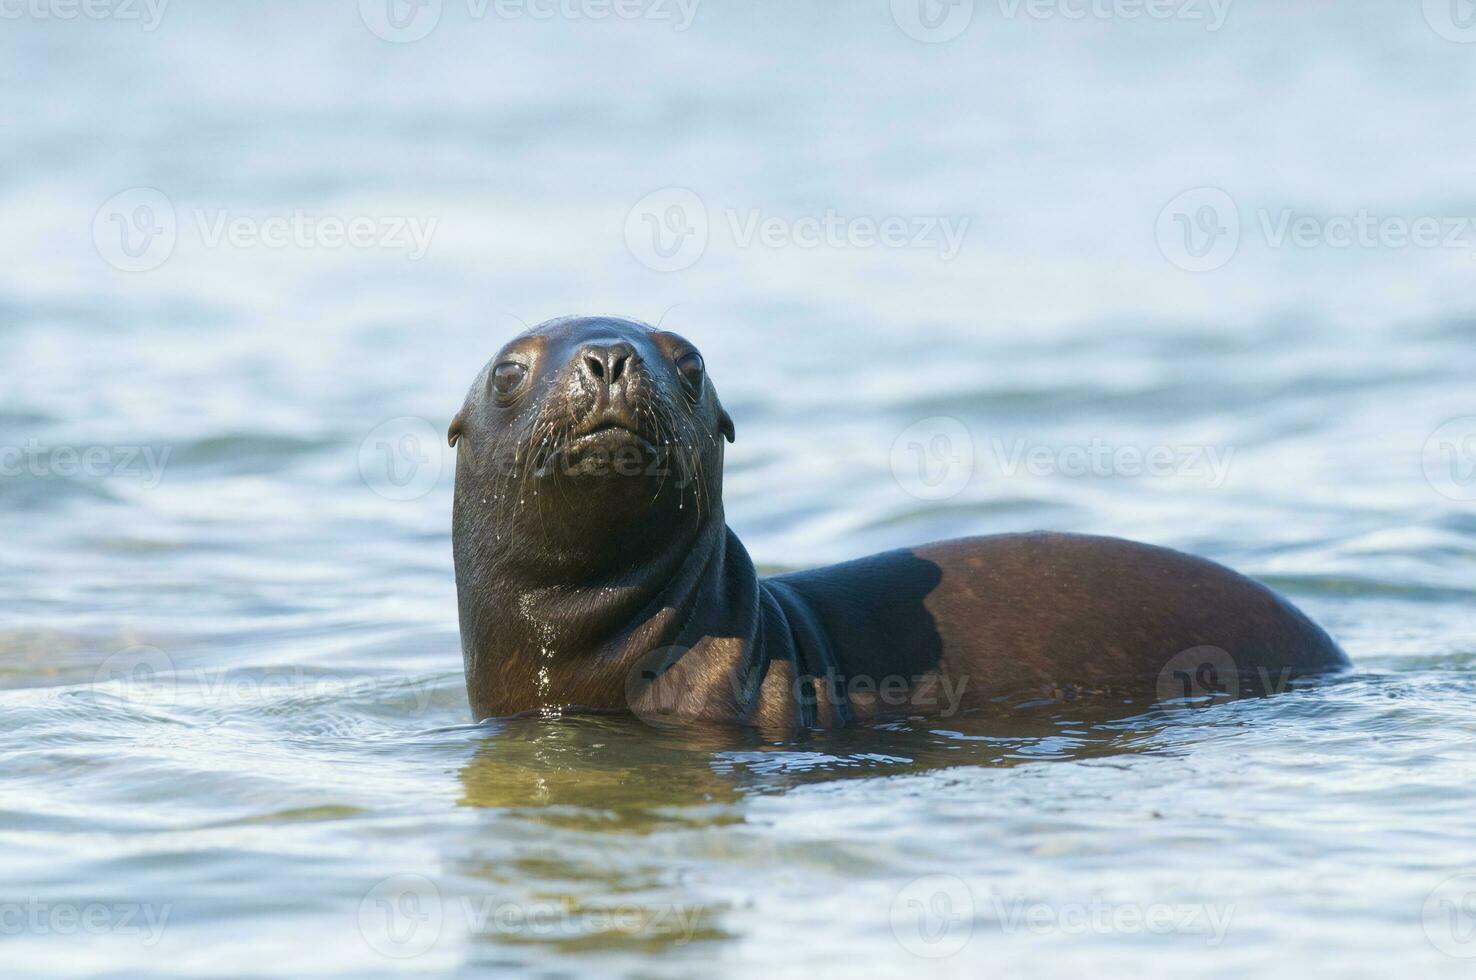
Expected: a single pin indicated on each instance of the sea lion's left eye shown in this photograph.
(507, 376)
(690, 365)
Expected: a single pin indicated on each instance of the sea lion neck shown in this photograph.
(608, 601)
(532, 644)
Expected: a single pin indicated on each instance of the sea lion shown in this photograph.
(595, 572)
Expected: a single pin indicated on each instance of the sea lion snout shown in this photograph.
(611, 392)
(603, 362)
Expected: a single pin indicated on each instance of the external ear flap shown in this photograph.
(458, 424)
(725, 424)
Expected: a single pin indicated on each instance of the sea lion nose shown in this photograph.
(605, 363)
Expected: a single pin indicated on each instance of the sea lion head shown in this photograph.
(585, 437)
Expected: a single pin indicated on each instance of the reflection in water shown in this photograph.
(593, 815)
(620, 823)
(596, 772)
(622, 775)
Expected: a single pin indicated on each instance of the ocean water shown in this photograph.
(1204, 279)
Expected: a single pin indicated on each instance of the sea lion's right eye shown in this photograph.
(507, 376)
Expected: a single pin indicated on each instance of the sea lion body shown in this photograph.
(595, 572)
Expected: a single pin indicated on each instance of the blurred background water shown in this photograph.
(233, 734)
